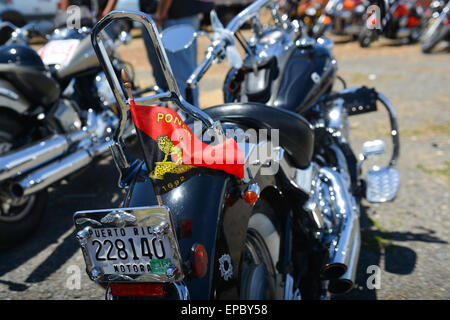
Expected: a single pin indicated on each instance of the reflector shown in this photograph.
(138, 289)
(200, 261)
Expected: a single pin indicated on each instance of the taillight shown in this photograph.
(413, 22)
(401, 10)
(200, 261)
(349, 5)
(137, 289)
(326, 20)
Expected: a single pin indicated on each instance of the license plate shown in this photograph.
(129, 244)
(58, 51)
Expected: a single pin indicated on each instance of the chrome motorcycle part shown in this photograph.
(382, 184)
(20, 161)
(342, 242)
(66, 116)
(374, 147)
(43, 177)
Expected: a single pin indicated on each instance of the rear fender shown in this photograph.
(209, 210)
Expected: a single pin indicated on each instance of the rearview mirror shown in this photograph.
(179, 37)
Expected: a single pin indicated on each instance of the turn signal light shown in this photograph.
(200, 261)
(137, 289)
(251, 195)
(326, 20)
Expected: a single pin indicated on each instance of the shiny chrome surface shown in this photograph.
(41, 152)
(382, 184)
(57, 170)
(28, 157)
(82, 59)
(348, 228)
(182, 290)
(346, 282)
(394, 127)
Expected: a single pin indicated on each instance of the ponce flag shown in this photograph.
(173, 153)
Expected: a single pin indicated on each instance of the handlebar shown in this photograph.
(21, 35)
(222, 41)
(213, 51)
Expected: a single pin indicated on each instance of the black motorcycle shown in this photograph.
(287, 225)
(438, 29)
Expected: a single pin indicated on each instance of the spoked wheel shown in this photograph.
(18, 216)
(258, 272)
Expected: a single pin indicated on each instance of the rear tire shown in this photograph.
(18, 217)
(258, 273)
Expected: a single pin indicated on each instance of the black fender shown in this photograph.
(12, 99)
(209, 210)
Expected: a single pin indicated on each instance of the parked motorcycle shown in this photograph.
(308, 12)
(342, 17)
(402, 21)
(438, 28)
(56, 117)
(287, 225)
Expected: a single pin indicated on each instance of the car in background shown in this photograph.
(21, 12)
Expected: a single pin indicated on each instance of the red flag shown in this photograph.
(173, 153)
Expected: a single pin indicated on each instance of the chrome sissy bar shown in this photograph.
(173, 94)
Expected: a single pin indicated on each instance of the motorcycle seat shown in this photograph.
(295, 132)
(35, 85)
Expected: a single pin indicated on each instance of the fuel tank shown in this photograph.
(307, 74)
(70, 52)
(292, 76)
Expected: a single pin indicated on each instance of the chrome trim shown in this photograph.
(346, 282)
(394, 127)
(8, 94)
(174, 92)
(342, 245)
(57, 170)
(29, 157)
(182, 290)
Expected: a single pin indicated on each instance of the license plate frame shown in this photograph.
(142, 223)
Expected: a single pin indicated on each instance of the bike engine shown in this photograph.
(65, 116)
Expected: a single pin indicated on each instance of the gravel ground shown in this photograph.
(407, 239)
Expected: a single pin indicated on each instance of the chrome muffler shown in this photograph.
(344, 249)
(32, 156)
(57, 170)
(346, 282)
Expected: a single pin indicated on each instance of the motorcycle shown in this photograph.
(307, 12)
(343, 17)
(403, 21)
(287, 225)
(438, 29)
(56, 117)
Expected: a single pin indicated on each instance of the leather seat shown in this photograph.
(36, 86)
(295, 132)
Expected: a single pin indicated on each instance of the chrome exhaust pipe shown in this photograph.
(345, 283)
(342, 247)
(57, 170)
(43, 151)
